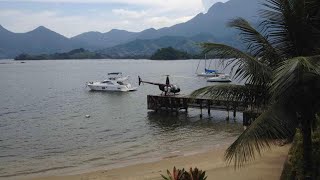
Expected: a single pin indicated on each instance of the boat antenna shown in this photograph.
(198, 66)
(210, 63)
(205, 56)
(205, 60)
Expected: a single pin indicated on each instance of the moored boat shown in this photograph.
(114, 82)
(220, 78)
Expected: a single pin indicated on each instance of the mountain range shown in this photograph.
(210, 26)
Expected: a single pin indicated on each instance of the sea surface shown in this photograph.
(44, 131)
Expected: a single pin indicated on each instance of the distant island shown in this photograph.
(74, 54)
(168, 53)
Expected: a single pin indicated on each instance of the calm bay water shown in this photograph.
(43, 129)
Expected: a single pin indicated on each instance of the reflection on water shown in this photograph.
(43, 127)
(172, 121)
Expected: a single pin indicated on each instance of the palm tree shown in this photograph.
(282, 67)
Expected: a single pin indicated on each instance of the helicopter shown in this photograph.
(166, 88)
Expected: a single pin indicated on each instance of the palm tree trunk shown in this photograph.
(307, 117)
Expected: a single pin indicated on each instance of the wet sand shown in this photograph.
(267, 167)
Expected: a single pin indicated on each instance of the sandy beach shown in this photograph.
(267, 167)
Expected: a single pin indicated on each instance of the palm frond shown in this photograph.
(255, 96)
(229, 92)
(292, 26)
(273, 123)
(246, 66)
(257, 44)
(292, 74)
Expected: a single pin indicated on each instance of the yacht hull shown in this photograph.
(218, 79)
(206, 75)
(111, 88)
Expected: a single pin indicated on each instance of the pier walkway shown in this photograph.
(179, 102)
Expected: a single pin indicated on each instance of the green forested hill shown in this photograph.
(147, 47)
(170, 53)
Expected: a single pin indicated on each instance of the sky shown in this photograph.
(73, 17)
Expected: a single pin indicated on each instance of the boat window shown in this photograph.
(121, 83)
(107, 82)
(115, 73)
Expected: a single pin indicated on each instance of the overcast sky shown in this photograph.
(72, 17)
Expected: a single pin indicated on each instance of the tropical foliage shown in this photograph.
(293, 168)
(196, 174)
(281, 70)
(176, 174)
(193, 174)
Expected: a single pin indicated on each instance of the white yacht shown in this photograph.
(114, 82)
(220, 78)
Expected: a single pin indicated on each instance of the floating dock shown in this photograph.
(179, 102)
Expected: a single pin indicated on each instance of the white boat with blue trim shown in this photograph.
(212, 75)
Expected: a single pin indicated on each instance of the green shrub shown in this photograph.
(293, 168)
(177, 174)
(196, 174)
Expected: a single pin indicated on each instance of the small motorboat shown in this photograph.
(220, 77)
(114, 82)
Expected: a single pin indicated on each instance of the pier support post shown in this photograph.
(201, 109)
(208, 106)
(234, 112)
(172, 103)
(228, 113)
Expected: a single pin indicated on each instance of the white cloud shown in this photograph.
(129, 14)
(191, 5)
(72, 25)
(164, 21)
(136, 16)
(23, 21)
(130, 2)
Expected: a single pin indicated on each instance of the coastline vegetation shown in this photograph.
(74, 54)
(293, 168)
(281, 67)
(168, 53)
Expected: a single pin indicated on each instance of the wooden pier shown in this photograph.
(178, 102)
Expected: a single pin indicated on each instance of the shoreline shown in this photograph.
(269, 166)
